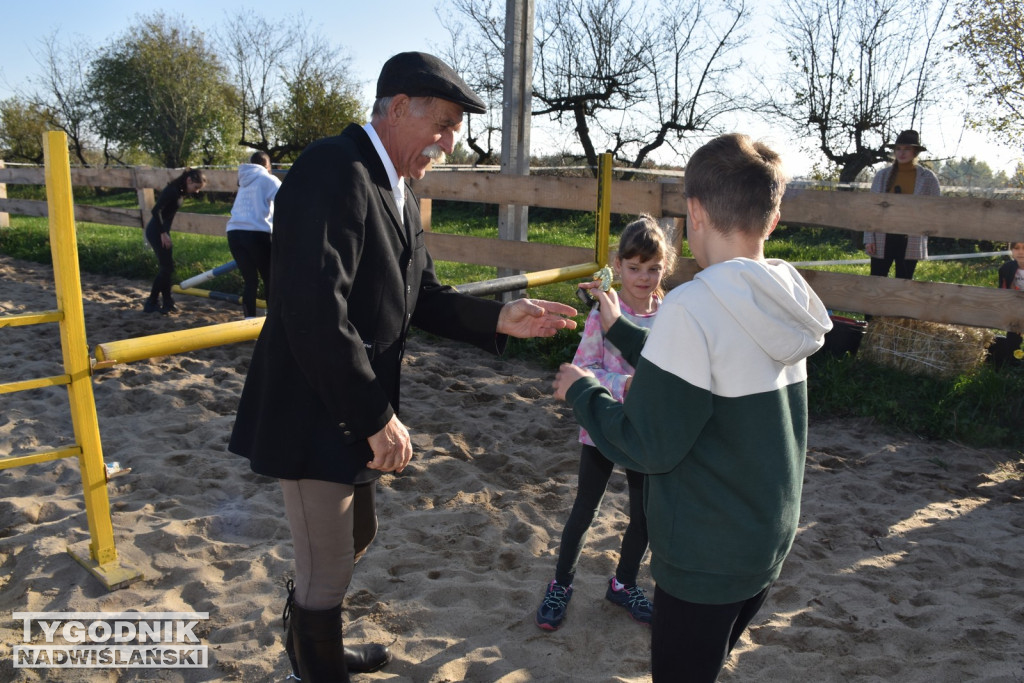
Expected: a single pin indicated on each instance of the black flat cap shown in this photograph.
(418, 74)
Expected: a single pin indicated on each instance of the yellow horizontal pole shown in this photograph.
(511, 283)
(41, 456)
(220, 296)
(31, 318)
(55, 381)
(546, 277)
(179, 341)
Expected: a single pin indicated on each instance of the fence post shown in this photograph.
(670, 224)
(426, 212)
(5, 218)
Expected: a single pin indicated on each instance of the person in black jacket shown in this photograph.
(350, 274)
(158, 234)
(1011, 273)
(1011, 276)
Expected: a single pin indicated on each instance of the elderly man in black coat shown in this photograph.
(351, 274)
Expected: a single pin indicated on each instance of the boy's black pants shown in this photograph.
(690, 642)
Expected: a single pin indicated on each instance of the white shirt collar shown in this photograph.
(393, 177)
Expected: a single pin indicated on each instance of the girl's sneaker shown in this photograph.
(633, 599)
(552, 610)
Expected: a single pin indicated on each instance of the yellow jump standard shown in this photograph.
(100, 557)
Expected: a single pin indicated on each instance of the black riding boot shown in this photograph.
(359, 659)
(314, 643)
(289, 647)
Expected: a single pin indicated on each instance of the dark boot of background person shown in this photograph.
(151, 305)
(315, 646)
(168, 306)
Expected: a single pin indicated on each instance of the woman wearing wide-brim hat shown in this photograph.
(904, 176)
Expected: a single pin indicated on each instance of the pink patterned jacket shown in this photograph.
(603, 359)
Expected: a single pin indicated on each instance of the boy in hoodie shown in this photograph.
(717, 412)
(250, 226)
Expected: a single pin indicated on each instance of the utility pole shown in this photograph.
(515, 125)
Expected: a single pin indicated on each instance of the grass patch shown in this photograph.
(980, 409)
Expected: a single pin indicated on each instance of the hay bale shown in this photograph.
(922, 347)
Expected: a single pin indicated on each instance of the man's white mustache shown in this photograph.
(434, 152)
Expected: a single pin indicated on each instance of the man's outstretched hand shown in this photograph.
(525, 318)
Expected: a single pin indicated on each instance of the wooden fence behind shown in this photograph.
(996, 220)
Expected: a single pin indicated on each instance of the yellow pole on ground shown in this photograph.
(102, 558)
(220, 296)
(179, 341)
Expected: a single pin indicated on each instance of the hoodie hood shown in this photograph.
(250, 173)
(772, 303)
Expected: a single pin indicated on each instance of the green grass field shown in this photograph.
(980, 409)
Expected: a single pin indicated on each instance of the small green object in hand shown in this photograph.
(605, 275)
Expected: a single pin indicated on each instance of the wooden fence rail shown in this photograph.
(997, 220)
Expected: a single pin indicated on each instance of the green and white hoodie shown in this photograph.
(717, 417)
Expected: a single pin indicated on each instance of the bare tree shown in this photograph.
(63, 90)
(255, 51)
(858, 72)
(622, 76)
(689, 62)
(479, 57)
(589, 63)
(295, 86)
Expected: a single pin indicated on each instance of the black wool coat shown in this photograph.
(348, 280)
(1007, 271)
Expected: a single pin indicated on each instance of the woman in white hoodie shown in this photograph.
(250, 226)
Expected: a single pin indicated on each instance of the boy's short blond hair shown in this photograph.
(738, 182)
